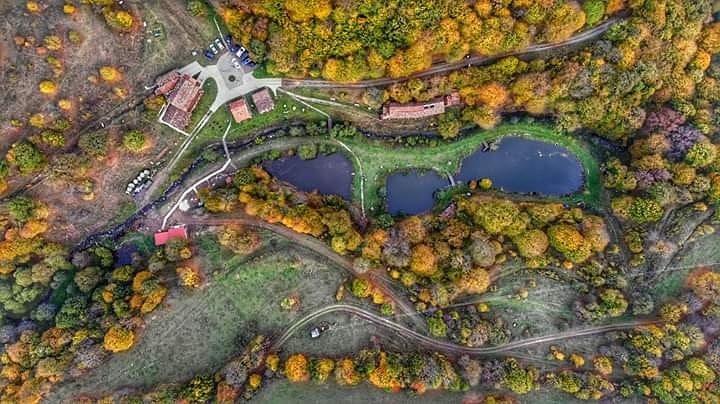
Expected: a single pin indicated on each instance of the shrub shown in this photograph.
(118, 338)
(296, 368)
(48, 87)
(594, 11)
(26, 157)
(110, 74)
(644, 210)
(135, 141)
(308, 151)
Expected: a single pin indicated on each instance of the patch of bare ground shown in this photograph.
(140, 56)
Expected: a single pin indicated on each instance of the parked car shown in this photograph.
(219, 43)
(228, 38)
(236, 63)
(209, 55)
(320, 328)
(213, 49)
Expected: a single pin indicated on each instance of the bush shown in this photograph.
(48, 87)
(118, 338)
(94, 144)
(26, 157)
(594, 11)
(135, 141)
(308, 151)
(644, 210)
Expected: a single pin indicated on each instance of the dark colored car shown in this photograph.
(209, 55)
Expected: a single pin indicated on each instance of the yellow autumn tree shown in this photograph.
(474, 282)
(118, 338)
(296, 368)
(69, 9)
(48, 87)
(110, 74)
(188, 277)
(304, 10)
(33, 6)
(422, 260)
(53, 42)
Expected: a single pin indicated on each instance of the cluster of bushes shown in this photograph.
(389, 371)
(261, 196)
(668, 361)
(373, 39)
(63, 315)
(672, 163)
(238, 379)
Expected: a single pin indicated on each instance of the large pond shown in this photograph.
(328, 174)
(517, 165)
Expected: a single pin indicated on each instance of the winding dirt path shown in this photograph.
(445, 346)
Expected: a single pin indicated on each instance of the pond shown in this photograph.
(517, 165)
(328, 174)
(411, 192)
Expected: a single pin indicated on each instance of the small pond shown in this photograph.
(411, 192)
(517, 165)
(328, 174)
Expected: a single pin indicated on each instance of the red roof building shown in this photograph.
(436, 106)
(396, 110)
(263, 101)
(162, 237)
(166, 82)
(186, 94)
(182, 100)
(452, 99)
(240, 110)
(176, 117)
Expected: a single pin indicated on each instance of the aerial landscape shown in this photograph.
(360, 201)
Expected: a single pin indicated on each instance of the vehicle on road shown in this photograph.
(316, 331)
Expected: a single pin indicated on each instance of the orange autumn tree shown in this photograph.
(118, 338)
(296, 368)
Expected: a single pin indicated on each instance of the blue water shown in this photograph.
(517, 165)
(328, 174)
(411, 192)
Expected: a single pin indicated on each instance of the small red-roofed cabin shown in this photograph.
(162, 237)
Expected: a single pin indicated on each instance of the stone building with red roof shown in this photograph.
(240, 110)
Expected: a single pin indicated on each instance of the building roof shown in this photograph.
(413, 110)
(452, 99)
(186, 94)
(162, 237)
(263, 101)
(166, 82)
(176, 117)
(240, 110)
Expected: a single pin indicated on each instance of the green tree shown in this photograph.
(21, 209)
(197, 8)
(135, 141)
(95, 144)
(594, 11)
(644, 210)
(26, 157)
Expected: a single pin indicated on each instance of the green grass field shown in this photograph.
(197, 331)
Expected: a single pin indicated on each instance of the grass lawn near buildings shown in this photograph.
(286, 110)
(210, 90)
